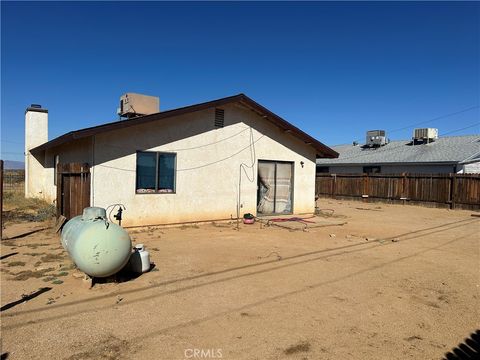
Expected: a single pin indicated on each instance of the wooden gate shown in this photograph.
(73, 189)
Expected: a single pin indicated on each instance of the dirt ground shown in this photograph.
(394, 282)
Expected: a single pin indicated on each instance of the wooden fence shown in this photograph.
(452, 190)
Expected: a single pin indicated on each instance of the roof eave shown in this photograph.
(450, 162)
(322, 151)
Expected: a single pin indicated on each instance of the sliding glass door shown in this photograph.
(275, 187)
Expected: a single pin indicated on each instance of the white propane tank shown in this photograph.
(97, 247)
(140, 259)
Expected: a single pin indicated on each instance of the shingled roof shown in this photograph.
(321, 149)
(447, 150)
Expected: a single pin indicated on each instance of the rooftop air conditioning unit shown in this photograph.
(428, 134)
(376, 138)
(132, 105)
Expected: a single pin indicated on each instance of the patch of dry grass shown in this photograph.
(17, 263)
(28, 274)
(300, 347)
(9, 243)
(192, 226)
(17, 208)
(52, 257)
(109, 348)
(34, 245)
(34, 254)
(221, 225)
(66, 267)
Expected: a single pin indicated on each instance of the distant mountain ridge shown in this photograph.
(13, 165)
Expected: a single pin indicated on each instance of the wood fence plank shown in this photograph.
(448, 189)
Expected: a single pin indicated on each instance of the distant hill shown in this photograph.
(13, 165)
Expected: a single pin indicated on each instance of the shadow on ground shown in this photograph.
(25, 298)
(469, 349)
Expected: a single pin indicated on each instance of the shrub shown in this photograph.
(17, 207)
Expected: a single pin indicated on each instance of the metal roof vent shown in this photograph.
(219, 118)
(375, 138)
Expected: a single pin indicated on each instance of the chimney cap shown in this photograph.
(36, 108)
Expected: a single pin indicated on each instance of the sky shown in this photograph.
(334, 69)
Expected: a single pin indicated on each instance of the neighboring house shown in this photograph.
(449, 154)
(203, 162)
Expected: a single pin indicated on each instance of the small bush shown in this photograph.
(46, 212)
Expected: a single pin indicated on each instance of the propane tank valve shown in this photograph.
(118, 216)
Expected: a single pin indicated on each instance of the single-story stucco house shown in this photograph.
(204, 162)
(439, 155)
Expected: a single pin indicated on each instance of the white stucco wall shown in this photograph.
(208, 166)
(79, 151)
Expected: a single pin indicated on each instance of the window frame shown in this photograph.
(56, 161)
(372, 169)
(292, 184)
(322, 170)
(156, 192)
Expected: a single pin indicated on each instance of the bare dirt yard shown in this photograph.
(393, 282)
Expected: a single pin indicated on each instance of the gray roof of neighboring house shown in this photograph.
(449, 149)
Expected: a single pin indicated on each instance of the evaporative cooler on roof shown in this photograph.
(425, 134)
(375, 138)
